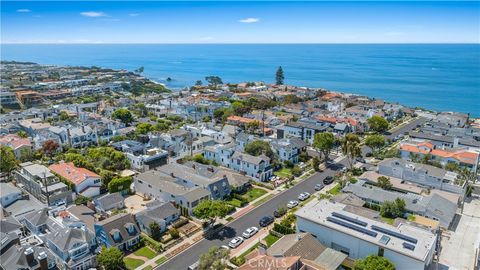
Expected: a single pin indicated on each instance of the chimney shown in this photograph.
(42, 259)
(210, 169)
(83, 128)
(172, 175)
(69, 139)
(193, 166)
(29, 255)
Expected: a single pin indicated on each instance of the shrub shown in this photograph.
(296, 171)
(283, 229)
(150, 242)
(174, 233)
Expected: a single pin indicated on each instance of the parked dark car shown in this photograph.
(328, 180)
(279, 212)
(265, 221)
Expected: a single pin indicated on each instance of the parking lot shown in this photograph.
(458, 246)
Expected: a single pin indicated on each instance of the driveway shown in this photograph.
(458, 246)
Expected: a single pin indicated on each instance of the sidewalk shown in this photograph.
(186, 243)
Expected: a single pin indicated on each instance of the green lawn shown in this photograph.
(235, 202)
(254, 193)
(335, 190)
(283, 172)
(145, 252)
(271, 239)
(132, 264)
(161, 260)
(148, 267)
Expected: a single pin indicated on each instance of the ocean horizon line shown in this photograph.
(235, 43)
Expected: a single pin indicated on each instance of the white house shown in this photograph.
(87, 183)
(406, 246)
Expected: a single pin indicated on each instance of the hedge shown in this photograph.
(150, 242)
(283, 229)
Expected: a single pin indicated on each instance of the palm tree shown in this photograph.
(465, 176)
(351, 148)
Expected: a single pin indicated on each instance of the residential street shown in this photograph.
(236, 227)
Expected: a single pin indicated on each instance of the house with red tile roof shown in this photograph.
(463, 157)
(18, 144)
(86, 182)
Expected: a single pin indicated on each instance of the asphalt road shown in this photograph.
(236, 227)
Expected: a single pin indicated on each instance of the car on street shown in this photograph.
(280, 212)
(318, 187)
(237, 241)
(328, 180)
(250, 232)
(304, 196)
(292, 204)
(266, 220)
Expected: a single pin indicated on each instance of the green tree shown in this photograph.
(239, 108)
(123, 115)
(143, 128)
(351, 148)
(214, 259)
(375, 142)
(210, 210)
(111, 259)
(452, 166)
(214, 81)
(207, 119)
(373, 262)
(393, 209)
(119, 184)
(81, 200)
(198, 83)
(291, 99)
(174, 233)
(378, 123)
(155, 231)
(8, 162)
(279, 76)
(22, 134)
(63, 115)
(324, 142)
(296, 171)
(316, 163)
(258, 147)
(384, 182)
(252, 126)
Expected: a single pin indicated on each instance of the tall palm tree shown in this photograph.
(351, 148)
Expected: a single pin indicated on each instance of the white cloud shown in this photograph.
(93, 14)
(134, 14)
(249, 20)
(23, 10)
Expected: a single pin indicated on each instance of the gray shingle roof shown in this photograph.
(118, 222)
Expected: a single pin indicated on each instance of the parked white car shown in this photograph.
(304, 196)
(292, 204)
(250, 232)
(235, 242)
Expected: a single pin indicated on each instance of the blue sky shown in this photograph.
(239, 22)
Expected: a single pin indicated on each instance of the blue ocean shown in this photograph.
(435, 76)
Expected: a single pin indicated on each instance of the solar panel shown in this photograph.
(350, 219)
(394, 234)
(408, 246)
(351, 226)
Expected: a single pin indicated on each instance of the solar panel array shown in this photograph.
(347, 218)
(352, 226)
(408, 246)
(394, 234)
